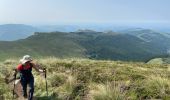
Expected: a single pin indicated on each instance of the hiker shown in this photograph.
(26, 76)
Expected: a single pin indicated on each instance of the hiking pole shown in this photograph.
(46, 80)
(14, 85)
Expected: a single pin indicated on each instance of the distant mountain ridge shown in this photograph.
(11, 32)
(86, 44)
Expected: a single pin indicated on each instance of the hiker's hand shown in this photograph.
(14, 72)
(42, 70)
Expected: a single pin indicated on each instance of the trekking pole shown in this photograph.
(46, 81)
(14, 85)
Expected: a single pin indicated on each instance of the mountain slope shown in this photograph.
(59, 44)
(157, 39)
(118, 47)
(90, 44)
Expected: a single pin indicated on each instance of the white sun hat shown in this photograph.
(25, 59)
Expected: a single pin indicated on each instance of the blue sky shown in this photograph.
(84, 11)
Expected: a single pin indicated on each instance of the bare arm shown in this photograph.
(36, 67)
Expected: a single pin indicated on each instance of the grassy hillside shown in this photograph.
(83, 79)
(60, 45)
(84, 44)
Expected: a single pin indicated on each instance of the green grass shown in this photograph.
(78, 79)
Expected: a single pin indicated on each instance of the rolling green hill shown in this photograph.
(83, 44)
(59, 44)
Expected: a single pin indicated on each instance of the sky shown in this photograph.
(84, 11)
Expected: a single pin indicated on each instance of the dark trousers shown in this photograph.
(24, 83)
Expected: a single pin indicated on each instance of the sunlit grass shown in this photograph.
(78, 79)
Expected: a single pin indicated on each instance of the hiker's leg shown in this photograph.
(24, 87)
(31, 91)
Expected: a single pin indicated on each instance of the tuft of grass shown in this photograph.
(107, 92)
(155, 87)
